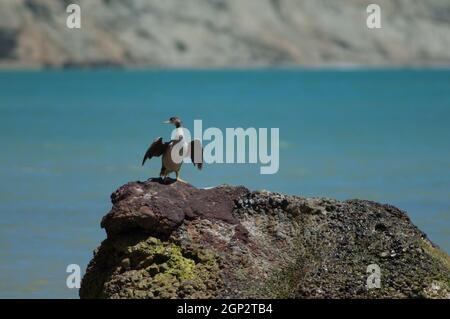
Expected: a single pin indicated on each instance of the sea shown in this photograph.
(68, 139)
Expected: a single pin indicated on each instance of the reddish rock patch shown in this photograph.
(159, 208)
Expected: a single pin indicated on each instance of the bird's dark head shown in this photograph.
(174, 120)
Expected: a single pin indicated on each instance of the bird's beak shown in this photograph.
(166, 122)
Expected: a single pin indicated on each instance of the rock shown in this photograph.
(384, 254)
(125, 263)
(160, 209)
(232, 33)
(177, 241)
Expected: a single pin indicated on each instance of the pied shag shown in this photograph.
(170, 149)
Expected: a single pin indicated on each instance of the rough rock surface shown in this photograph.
(223, 33)
(177, 241)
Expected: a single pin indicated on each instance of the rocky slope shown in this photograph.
(223, 33)
(176, 241)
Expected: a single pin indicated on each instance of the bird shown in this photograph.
(173, 152)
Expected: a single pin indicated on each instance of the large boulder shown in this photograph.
(172, 240)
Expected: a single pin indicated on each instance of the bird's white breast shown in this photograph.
(180, 132)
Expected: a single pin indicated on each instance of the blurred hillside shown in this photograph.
(223, 33)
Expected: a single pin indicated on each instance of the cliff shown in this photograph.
(177, 241)
(223, 33)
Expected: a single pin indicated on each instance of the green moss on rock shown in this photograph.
(439, 280)
(151, 268)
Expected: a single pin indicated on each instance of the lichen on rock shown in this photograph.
(146, 267)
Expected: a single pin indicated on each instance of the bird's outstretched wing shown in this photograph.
(196, 152)
(157, 148)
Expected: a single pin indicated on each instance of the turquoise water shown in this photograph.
(69, 139)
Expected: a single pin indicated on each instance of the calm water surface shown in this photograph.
(69, 139)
